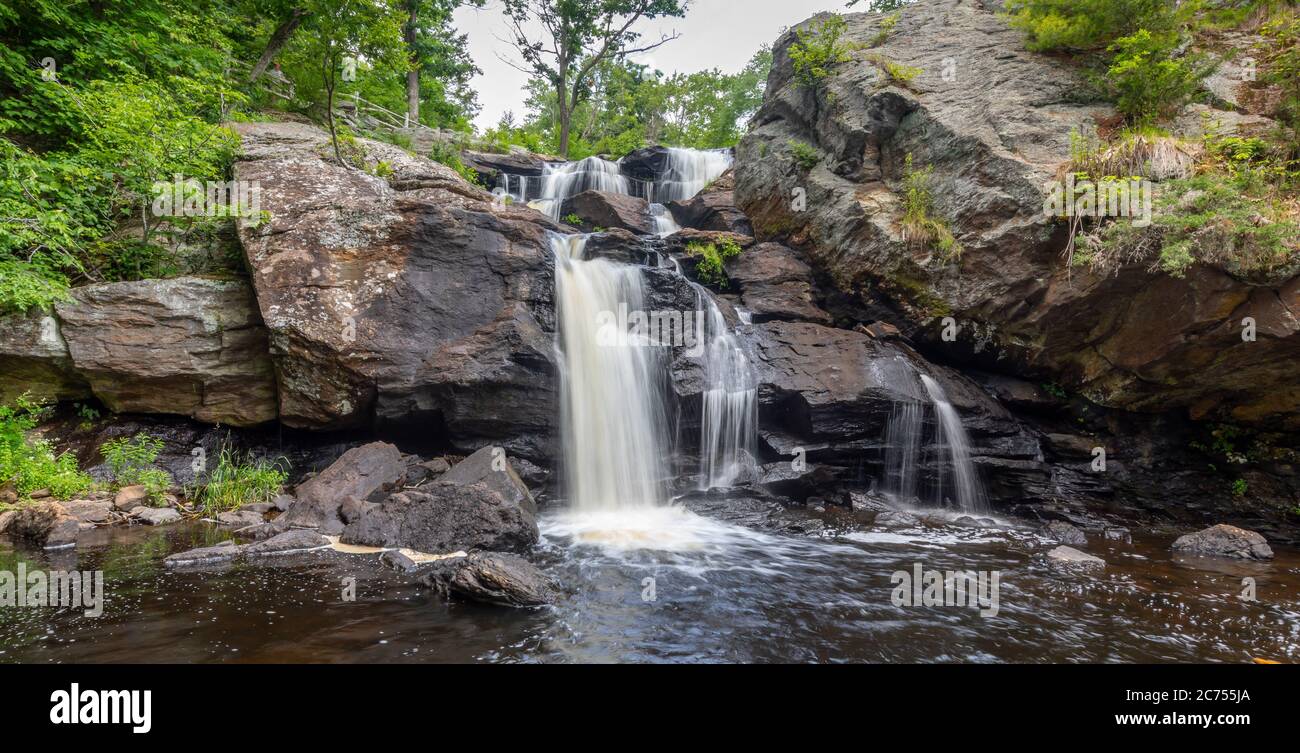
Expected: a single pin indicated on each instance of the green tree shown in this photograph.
(576, 37)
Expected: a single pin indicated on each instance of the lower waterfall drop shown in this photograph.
(615, 436)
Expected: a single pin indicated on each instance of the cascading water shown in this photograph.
(564, 180)
(952, 435)
(729, 421)
(662, 220)
(688, 171)
(903, 449)
(611, 406)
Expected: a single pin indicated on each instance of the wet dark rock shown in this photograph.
(45, 523)
(490, 466)
(775, 284)
(1070, 558)
(599, 209)
(445, 517)
(395, 560)
(784, 479)
(224, 552)
(492, 578)
(264, 531)
(360, 472)
(489, 166)
(1224, 541)
(282, 502)
(896, 519)
(1064, 533)
(1121, 535)
(714, 208)
(289, 542)
(646, 163)
(869, 502)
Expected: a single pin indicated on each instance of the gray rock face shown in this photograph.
(360, 472)
(34, 360)
(1065, 557)
(607, 210)
(190, 346)
(414, 300)
(443, 517)
(995, 129)
(1224, 541)
(1058, 530)
(492, 578)
(155, 516)
(490, 466)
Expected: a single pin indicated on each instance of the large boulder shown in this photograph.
(992, 122)
(492, 578)
(34, 360)
(359, 473)
(44, 523)
(490, 466)
(189, 345)
(599, 209)
(414, 299)
(1224, 541)
(714, 208)
(775, 284)
(445, 517)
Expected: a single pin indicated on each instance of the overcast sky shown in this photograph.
(714, 34)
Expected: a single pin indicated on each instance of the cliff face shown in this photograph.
(993, 123)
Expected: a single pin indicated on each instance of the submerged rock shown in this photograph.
(1059, 530)
(1066, 557)
(492, 578)
(240, 518)
(1224, 541)
(289, 542)
(155, 516)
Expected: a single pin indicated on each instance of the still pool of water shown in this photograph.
(673, 586)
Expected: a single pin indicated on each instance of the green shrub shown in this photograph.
(131, 462)
(1147, 81)
(449, 155)
(709, 270)
(572, 219)
(1088, 24)
(28, 464)
(886, 28)
(819, 49)
(919, 224)
(237, 482)
(805, 156)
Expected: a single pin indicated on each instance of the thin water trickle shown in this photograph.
(952, 437)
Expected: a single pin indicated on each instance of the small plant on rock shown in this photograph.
(919, 224)
(131, 463)
(709, 269)
(240, 481)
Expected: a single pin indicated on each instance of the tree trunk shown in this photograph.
(566, 119)
(277, 41)
(413, 75)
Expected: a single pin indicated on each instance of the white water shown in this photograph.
(729, 422)
(615, 435)
(903, 449)
(662, 221)
(565, 180)
(688, 171)
(951, 434)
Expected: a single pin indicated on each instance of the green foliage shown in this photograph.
(919, 224)
(712, 256)
(239, 481)
(886, 28)
(572, 219)
(1147, 81)
(449, 155)
(805, 155)
(131, 462)
(817, 50)
(1239, 487)
(29, 464)
(1281, 67)
(1089, 25)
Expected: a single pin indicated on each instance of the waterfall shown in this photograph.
(662, 220)
(564, 180)
(903, 448)
(952, 436)
(615, 435)
(688, 171)
(729, 419)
